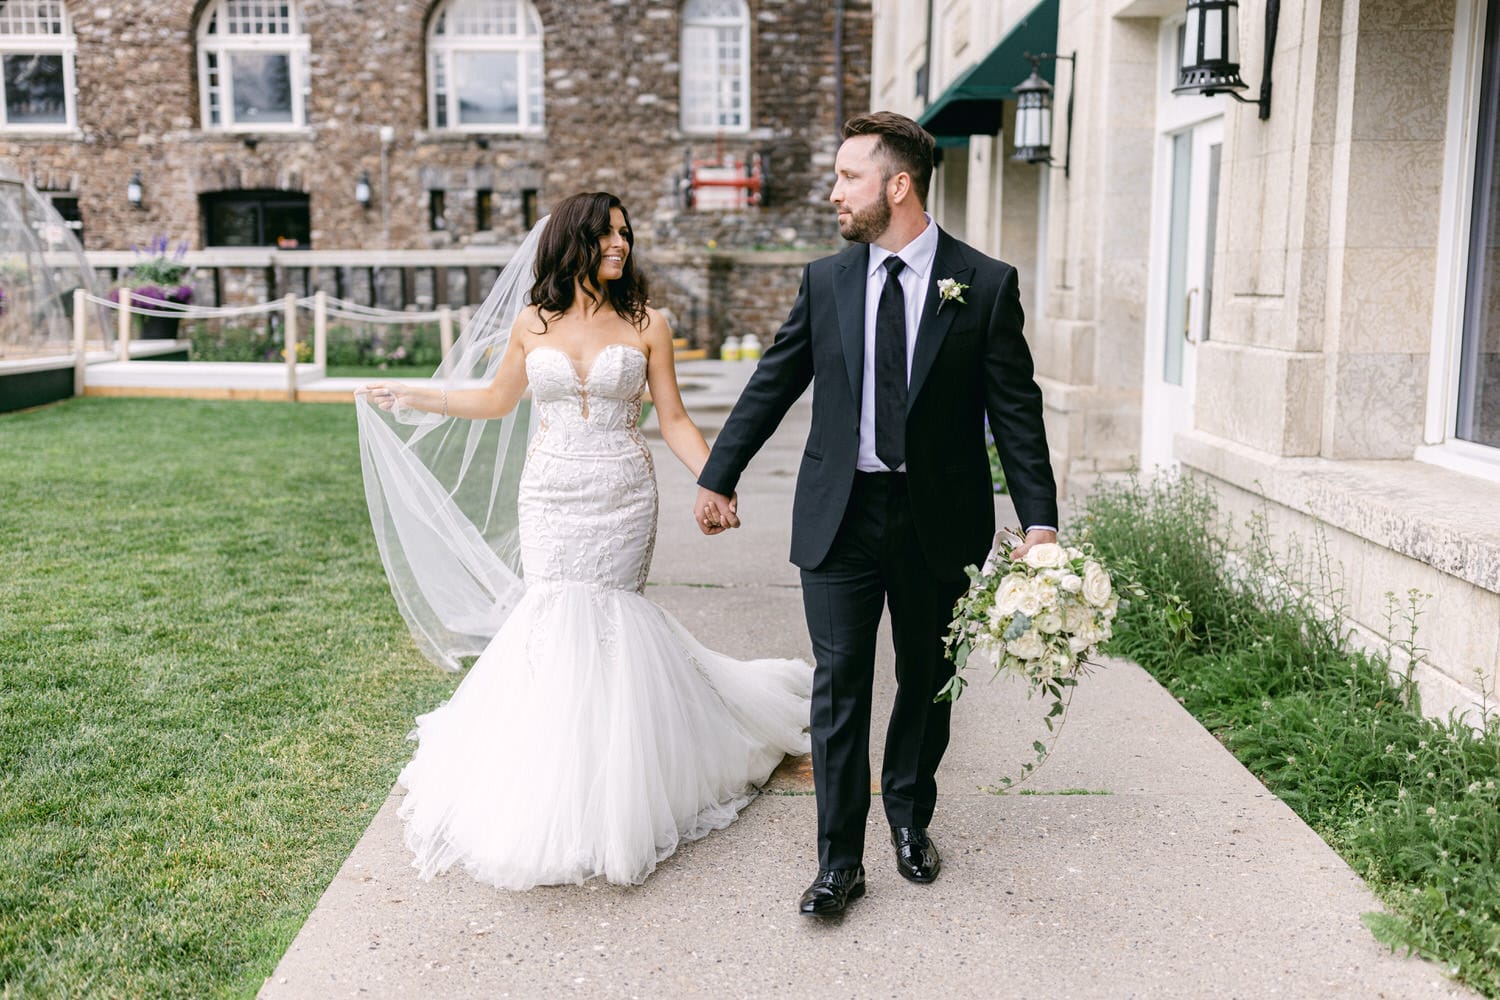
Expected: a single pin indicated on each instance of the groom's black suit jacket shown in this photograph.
(970, 361)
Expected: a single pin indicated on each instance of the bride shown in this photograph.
(593, 734)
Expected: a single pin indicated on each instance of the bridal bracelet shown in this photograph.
(445, 402)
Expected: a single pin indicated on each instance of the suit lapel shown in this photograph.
(946, 263)
(849, 302)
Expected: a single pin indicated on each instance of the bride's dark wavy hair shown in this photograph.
(568, 256)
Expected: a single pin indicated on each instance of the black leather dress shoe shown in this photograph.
(916, 855)
(832, 891)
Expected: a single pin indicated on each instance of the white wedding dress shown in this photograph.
(593, 734)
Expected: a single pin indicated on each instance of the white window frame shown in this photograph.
(1451, 279)
(742, 24)
(65, 45)
(531, 68)
(295, 46)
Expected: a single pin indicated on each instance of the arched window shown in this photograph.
(484, 66)
(252, 65)
(715, 66)
(36, 49)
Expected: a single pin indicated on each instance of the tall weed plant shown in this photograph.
(1264, 660)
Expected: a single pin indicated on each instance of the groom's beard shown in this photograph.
(866, 225)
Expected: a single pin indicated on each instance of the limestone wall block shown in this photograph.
(1267, 399)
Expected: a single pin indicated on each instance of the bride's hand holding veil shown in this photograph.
(497, 399)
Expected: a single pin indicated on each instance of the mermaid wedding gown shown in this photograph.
(593, 734)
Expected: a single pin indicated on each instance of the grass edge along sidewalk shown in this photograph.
(1411, 803)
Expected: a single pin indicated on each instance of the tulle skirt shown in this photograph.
(593, 736)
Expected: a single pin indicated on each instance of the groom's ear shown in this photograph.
(900, 186)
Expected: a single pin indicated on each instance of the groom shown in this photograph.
(912, 339)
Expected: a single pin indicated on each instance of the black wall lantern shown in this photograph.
(1033, 126)
(362, 190)
(135, 192)
(1211, 52)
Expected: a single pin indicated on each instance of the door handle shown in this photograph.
(1187, 317)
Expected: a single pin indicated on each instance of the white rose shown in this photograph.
(1074, 553)
(1030, 601)
(1096, 585)
(1077, 644)
(1049, 623)
(1049, 594)
(1072, 583)
(1008, 596)
(1048, 555)
(1027, 647)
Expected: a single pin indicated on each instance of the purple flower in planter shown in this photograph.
(180, 294)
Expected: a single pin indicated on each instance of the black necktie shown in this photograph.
(890, 368)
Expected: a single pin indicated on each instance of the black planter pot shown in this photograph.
(159, 327)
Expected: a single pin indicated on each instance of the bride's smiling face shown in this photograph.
(614, 247)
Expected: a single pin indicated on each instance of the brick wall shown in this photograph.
(611, 109)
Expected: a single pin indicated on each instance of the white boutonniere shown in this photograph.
(950, 290)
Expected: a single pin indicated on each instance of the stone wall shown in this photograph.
(611, 111)
(739, 292)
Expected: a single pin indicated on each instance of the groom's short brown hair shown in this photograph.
(903, 146)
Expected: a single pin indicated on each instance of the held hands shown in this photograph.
(715, 512)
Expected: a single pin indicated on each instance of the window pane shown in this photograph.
(258, 218)
(713, 66)
(262, 88)
(233, 224)
(1479, 353)
(1177, 318)
(34, 93)
(32, 17)
(488, 87)
(288, 225)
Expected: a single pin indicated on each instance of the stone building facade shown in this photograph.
(361, 74)
(1297, 308)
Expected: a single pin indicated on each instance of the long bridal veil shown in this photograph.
(442, 491)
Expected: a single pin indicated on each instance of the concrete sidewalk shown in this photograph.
(1178, 875)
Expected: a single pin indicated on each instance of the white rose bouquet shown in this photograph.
(1041, 617)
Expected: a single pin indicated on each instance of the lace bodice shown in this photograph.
(569, 407)
(588, 494)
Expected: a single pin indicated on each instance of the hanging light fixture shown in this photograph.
(1211, 52)
(1033, 127)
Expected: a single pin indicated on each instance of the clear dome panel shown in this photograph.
(41, 265)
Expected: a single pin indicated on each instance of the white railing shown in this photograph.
(323, 307)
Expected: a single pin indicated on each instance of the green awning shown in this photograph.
(971, 105)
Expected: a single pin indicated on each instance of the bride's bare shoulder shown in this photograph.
(657, 332)
(528, 324)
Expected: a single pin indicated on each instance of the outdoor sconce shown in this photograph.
(1033, 128)
(134, 193)
(362, 190)
(1211, 52)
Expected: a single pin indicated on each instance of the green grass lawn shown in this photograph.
(205, 689)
